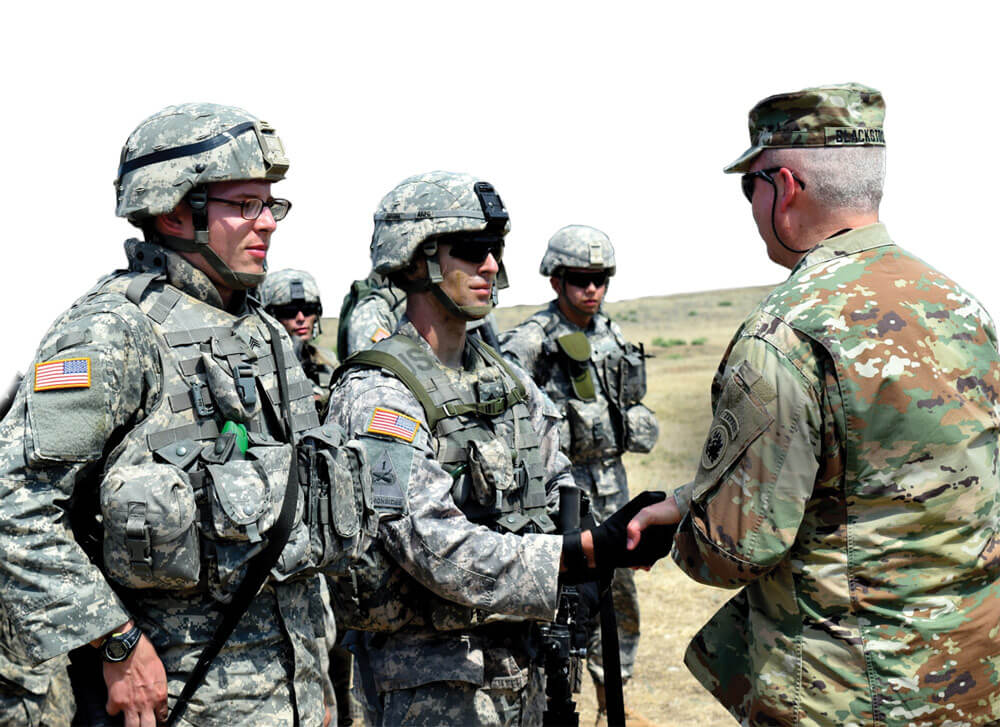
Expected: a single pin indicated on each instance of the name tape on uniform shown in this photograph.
(69, 373)
(394, 424)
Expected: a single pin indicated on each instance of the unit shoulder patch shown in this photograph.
(69, 373)
(393, 424)
(379, 334)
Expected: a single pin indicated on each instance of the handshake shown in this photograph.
(636, 536)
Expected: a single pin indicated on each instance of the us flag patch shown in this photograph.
(70, 373)
(387, 421)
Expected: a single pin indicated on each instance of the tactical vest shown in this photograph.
(360, 289)
(598, 390)
(192, 489)
(484, 438)
(483, 432)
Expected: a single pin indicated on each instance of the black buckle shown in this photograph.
(202, 399)
(245, 383)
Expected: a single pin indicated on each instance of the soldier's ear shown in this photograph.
(177, 222)
(556, 282)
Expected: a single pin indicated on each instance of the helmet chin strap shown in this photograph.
(198, 201)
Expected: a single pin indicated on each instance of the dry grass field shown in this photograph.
(687, 335)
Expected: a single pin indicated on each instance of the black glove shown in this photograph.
(610, 550)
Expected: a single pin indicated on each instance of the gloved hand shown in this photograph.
(610, 549)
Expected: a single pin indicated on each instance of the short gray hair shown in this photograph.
(845, 177)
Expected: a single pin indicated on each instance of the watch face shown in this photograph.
(116, 650)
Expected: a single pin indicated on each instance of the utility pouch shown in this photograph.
(337, 484)
(491, 471)
(641, 429)
(592, 433)
(150, 536)
(574, 349)
(633, 374)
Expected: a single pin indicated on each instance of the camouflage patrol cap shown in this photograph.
(192, 144)
(845, 115)
(578, 246)
(284, 286)
(426, 206)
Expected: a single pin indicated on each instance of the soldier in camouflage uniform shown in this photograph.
(849, 479)
(292, 296)
(372, 317)
(156, 419)
(465, 465)
(580, 358)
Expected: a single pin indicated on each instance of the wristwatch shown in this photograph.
(117, 647)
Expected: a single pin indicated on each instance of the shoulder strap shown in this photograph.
(384, 360)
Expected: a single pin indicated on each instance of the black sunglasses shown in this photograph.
(582, 280)
(290, 310)
(252, 207)
(475, 248)
(748, 180)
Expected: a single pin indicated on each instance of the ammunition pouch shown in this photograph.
(641, 429)
(336, 484)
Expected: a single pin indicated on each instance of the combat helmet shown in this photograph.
(578, 246)
(286, 287)
(176, 152)
(423, 208)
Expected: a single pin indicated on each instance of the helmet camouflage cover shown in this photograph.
(284, 286)
(425, 206)
(578, 246)
(188, 145)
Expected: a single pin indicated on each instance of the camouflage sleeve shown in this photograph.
(757, 469)
(370, 322)
(430, 537)
(523, 345)
(52, 440)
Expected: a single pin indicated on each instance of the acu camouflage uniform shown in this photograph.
(373, 317)
(595, 432)
(38, 696)
(167, 366)
(445, 660)
(161, 452)
(849, 481)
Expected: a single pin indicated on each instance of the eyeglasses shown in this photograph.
(291, 310)
(748, 180)
(582, 280)
(252, 207)
(475, 248)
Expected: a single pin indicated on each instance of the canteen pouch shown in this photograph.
(337, 486)
(574, 350)
(150, 535)
(592, 435)
(641, 429)
(633, 374)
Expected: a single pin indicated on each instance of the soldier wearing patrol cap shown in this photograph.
(466, 467)
(849, 480)
(580, 358)
(292, 296)
(146, 461)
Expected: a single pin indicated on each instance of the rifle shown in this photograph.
(564, 641)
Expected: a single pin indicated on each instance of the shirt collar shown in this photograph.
(848, 243)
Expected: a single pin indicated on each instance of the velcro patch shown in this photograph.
(69, 373)
(379, 334)
(394, 424)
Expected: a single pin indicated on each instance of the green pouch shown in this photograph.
(575, 349)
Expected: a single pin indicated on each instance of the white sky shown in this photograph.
(619, 116)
